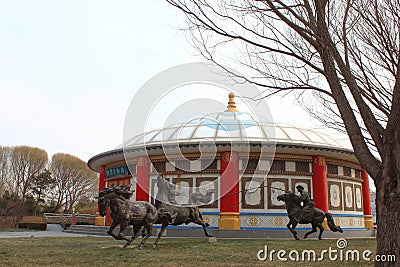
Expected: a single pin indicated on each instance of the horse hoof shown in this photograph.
(155, 246)
(296, 238)
(305, 237)
(139, 247)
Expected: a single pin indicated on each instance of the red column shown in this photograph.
(229, 188)
(102, 183)
(142, 179)
(366, 197)
(102, 180)
(320, 183)
(102, 177)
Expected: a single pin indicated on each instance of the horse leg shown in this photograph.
(201, 218)
(135, 234)
(291, 229)
(163, 227)
(198, 219)
(143, 232)
(205, 231)
(204, 225)
(149, 232)
(321, 230)
(314, 229)
(111, 230)
(123, 225)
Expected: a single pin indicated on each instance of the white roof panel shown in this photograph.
(238, 126)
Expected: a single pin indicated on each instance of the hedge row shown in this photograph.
(33, 225)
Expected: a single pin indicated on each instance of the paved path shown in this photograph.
(52, 230)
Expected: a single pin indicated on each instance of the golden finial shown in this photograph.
(231, 104)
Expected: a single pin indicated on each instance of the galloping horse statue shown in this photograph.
(170, 213)
(124, 212)
(316, 217)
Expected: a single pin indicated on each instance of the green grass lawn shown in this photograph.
(105, 251)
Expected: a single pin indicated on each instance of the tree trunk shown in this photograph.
(388, 224)
(388, 203)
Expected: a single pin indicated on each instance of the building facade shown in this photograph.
(247, 164)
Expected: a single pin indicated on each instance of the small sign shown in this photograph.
(117, 171)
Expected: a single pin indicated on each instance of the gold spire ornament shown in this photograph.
(231, 104)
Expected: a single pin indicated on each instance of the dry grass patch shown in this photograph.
(105, 251)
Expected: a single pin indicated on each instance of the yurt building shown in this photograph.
(245, 180)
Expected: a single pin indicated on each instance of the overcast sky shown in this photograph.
(69, 69)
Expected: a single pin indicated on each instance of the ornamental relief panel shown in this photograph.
(335, 195)
(276, 187)
(358, 197)
(348, 196)
(229, 157)
(252, 193)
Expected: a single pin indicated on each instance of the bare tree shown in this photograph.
(40, 189)
(344, 54)
(73, 181)
(4, 169)
(25, 163)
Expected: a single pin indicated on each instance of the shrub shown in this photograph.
(32, 219)
(33, 225)
(7, 222)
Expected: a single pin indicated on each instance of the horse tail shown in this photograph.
(331, 223)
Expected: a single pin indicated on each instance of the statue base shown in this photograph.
(210, 240)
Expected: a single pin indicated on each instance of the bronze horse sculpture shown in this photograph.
(316, 217)
(124, 212)
(170, 213)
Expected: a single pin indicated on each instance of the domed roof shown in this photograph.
(230, 127)
(235, 127)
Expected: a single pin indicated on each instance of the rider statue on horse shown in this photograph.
(306, 213)
(308, 204)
